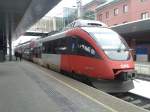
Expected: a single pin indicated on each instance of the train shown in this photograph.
(86, 48)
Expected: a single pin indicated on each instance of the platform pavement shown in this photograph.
(28, 88)
(19, 93)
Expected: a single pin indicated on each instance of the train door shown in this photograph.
(72, 49)
(84, 58)
(64, 50)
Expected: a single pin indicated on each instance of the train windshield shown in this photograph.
(111, 43)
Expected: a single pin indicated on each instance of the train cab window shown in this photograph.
(85, 49)
(72, 45)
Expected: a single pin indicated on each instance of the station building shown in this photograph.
(131, 19)
(123, 11)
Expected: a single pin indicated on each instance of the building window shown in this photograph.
(144, 15)
(100, 17)
(116, 11)
(107, 14)
(125, 8)
(124, 22)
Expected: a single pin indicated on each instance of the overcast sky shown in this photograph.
(58, 10)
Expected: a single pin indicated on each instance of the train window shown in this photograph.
(44, 48)
(62, 46)
(35, 52)
(38, 52)
(85, 49)
(58, 46)
(72, 45)
(54, 44)
(49, 47)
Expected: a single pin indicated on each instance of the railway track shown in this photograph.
(134, 99)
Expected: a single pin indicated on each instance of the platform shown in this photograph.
(26, 87)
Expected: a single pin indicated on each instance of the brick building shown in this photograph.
(123, 11)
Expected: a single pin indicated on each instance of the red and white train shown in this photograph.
(88, 49)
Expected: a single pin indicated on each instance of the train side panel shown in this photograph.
(52, 61)
(91, 67)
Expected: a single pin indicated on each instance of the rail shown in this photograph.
(135, 99)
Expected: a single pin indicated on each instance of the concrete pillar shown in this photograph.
(79, 7)
(133, 46)
(4, 44)
(54, 24)
(6, 27)
(10, 43)
(9, 24)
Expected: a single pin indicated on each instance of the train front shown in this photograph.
(117, 60)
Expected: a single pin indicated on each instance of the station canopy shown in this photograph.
(137, 30)
(19, 15)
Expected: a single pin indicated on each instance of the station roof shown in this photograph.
(136, 29)
(19, 15)
(35, 34)
(108, 3)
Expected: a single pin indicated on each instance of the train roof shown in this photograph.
(81, 22)
(74, 24)
(53, 37)
(85, 23)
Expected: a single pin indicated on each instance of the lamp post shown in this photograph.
(79, 7)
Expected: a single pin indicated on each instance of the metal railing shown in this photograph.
(143, 69)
